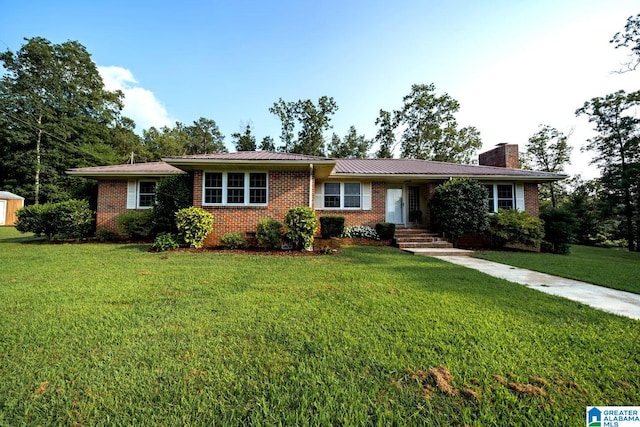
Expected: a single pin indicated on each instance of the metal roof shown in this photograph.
(426, 168)
(250, 155)
(150, 168)
(11, 196)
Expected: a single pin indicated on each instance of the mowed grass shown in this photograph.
(111, 334)
(612, 268)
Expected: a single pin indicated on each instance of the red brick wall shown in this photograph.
(531, 201)
(112, 201)
(287, 189)
(360, 217)
(503, 156)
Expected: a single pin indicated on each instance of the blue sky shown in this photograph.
(512, 65)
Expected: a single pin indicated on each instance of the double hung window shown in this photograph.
(235, 188)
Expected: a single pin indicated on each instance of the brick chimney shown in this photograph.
(503, 156)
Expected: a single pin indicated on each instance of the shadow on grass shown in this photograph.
(136, 247)
(29, 240)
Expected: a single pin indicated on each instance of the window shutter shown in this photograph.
(520, 197)
(319, 196)
(131, 194)
(366, 196)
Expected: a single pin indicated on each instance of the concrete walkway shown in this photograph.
(611, 300)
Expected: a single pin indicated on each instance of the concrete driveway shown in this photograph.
(611, 300)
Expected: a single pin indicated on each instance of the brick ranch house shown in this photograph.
(241, 188)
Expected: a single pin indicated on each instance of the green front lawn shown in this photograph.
(613, 268)
(109, 334)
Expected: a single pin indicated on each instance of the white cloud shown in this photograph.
(544, 83)
(140, 104)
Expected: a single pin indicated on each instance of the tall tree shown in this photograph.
(351, 146)
(267, 144)
(313, 121)
(630, 38)
(385, 137)
(203, 137)
(548, 151)
(244, 141)
(430, 128)
(54, 114)
(617, 149)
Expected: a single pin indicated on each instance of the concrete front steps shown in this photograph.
(422, 242)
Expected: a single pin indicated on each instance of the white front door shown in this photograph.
(3, 211)
(394, 206)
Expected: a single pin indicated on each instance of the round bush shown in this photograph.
(234, 241)
(301, 224)
(165, 242)
(268, 233)
(194, 224)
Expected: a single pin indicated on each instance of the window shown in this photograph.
(146, 194)
(342, 195)
(501, 196)
(235, 188)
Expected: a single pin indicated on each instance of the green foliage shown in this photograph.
(559, 227)
(71, 219)
(352, 146)
(172, 194)
(331, 225)
(313, 120)
(268, 233)
(515, 227)
(234, 241)
(630, 38)
(244, 141)
(56, 115)
(386, 230)
(194, 224)
(548, 151)
(201, 137)
(385, 137)
(165, 242)
(459, 206)
(431, 130)
(617, 152)
(300, 226)
(136, 225)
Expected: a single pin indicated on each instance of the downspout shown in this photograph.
(311, 185)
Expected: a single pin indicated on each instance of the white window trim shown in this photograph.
(517, 195)
(133, 193)
(342, 195)
(225, 188)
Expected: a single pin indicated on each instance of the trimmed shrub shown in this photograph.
(69, 219)
(559, 229)
(386, 230)
(172, 194)
(513, 226)
(136, 225)
(300, 226)
(459, 206)
(234, 241)
(165, 242)
(194, 224)
(360, 232)
(331, 226)
(268, 233)
(31, 219)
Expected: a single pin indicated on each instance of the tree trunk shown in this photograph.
(38, 162)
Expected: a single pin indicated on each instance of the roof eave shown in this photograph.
(221, 162)
(537, 178)
(99, 175)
